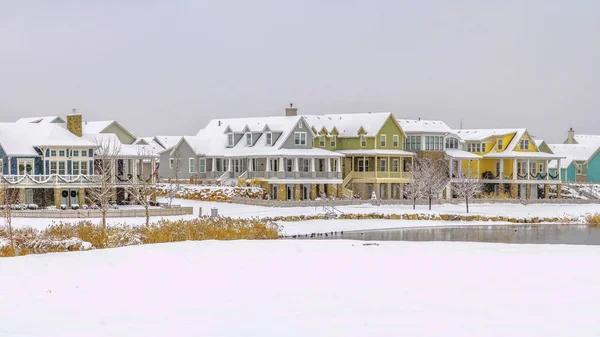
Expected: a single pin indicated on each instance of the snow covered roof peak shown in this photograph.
(348, 125)
(424, 125)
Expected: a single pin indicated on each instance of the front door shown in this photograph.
(25, 166)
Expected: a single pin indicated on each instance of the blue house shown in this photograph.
(582, 163)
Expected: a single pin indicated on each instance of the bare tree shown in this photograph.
(467, 185)
(415, 188)
(9, 199)
(433, 177)
(175, 166)
(106, 153)
(143, 187)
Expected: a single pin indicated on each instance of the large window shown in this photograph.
(524, 145)
(383, 165)
(75, 169)
(62, 170)
(202, 165)
(412, 143)
(434, 143)
(395, 140)
(363, 165)
(363, 141)
(476, 147)
(192, 165)
(382, 140)
(84, 167)
(300, 138)
(451, 143)
(53, 167)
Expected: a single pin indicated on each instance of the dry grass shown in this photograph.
(85, 235)
(593, 220)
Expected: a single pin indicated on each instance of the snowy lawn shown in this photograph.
(304, 288)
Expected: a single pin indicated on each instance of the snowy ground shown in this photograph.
(246, 211)
(304, 288)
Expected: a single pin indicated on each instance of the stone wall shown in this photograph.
(113, 213)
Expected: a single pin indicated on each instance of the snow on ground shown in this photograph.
(247, 211)
(304, 288)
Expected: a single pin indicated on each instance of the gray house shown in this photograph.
(274, 152)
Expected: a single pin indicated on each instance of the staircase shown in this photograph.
(346, 192)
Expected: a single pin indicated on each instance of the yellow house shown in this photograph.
(511, 161)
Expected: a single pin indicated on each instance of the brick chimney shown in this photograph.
(291, 111)
(74, 123)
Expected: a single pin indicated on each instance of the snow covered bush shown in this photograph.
(213, 193)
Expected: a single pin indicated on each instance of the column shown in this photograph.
(528, 169)
(297, 192)
(339, 164)
(558, 169)
(281, 192)
(153, 169)
(327, 164)
(478, 174)
(312, 164)
(82, 200)
(501, 168)
(213, 165)
(57, 197)
(113, 169)
(546, 170)
(229, 168)
(296, 164)
(250, 165)
(281, 164)
(134, 174)
(268, 168)
(515, 169)
(313, 191)
(451, 168)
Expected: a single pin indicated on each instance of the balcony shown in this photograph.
(373, 175)
(293, 175)
(55, 180)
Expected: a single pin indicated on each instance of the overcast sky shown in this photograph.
(169, 67)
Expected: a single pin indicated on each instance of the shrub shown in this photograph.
(593, 220)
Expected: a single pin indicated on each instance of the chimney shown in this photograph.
(74, 123)
(291, 111)
(571, 136)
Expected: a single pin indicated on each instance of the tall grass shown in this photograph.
(593, 220)
(86, 235)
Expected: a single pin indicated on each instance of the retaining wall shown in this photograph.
(113, 213)
(317, 203)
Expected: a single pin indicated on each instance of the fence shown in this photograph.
(94, 213)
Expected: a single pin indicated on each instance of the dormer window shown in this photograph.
(230, 139)
(333, 142)
(269, 138)
(363, 141)
(248, 139)
(524, 144)
(322, 141)
(499, 143)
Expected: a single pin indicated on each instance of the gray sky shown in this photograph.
(169, 67)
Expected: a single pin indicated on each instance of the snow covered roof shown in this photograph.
(376, 152)
(459, 154)
(424, 126)
(483, 134)
(587, 139)
(572, 152)
(167, 141)
(522, 154)
(19, 139)
(348, 125)
(46, 119)
(100, 126)
(150, 141)
(125, 150)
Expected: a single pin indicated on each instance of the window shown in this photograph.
(395, 140)
(363, 140)
(333, 141)
(53, 169)
(383, 165)
(524, 144)
(412, 143)
(532, 168)
(1, 166)
(192, 165)
(61, 153)
(62, 168)
(452, 143)
(53, 153)
(274, 164)
(171, 162)
(321, 141)
(478, 147)
(84, 153)
(76, 171)
(84, 167)
(75, 153)
(305, 165)
(499, 143)
(202, 165)
(334, 167)
(434, 143)
(248, 139)
(300, 138)
(269, 138)
(541, 168)
(382, 141)
(395, 165)
(363, 165)
(230, 139)
(289, 165)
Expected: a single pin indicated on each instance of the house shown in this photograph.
(276, 153)
(581, 163)
(511, 161)
(110, 126)
(572, 138)
(436, 140)
(373, 146)
(55, 163)
(542, 146)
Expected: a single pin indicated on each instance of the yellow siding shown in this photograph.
(532, 147)
(505, 141)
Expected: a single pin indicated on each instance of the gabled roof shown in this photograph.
(424, 126)
(94, 127)
(42, 120)
(483, 134)
(151, 141)
(587, 139)
(573, 152)
(20, 139)
(125, 150)
(167, 141)
(348, 125)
